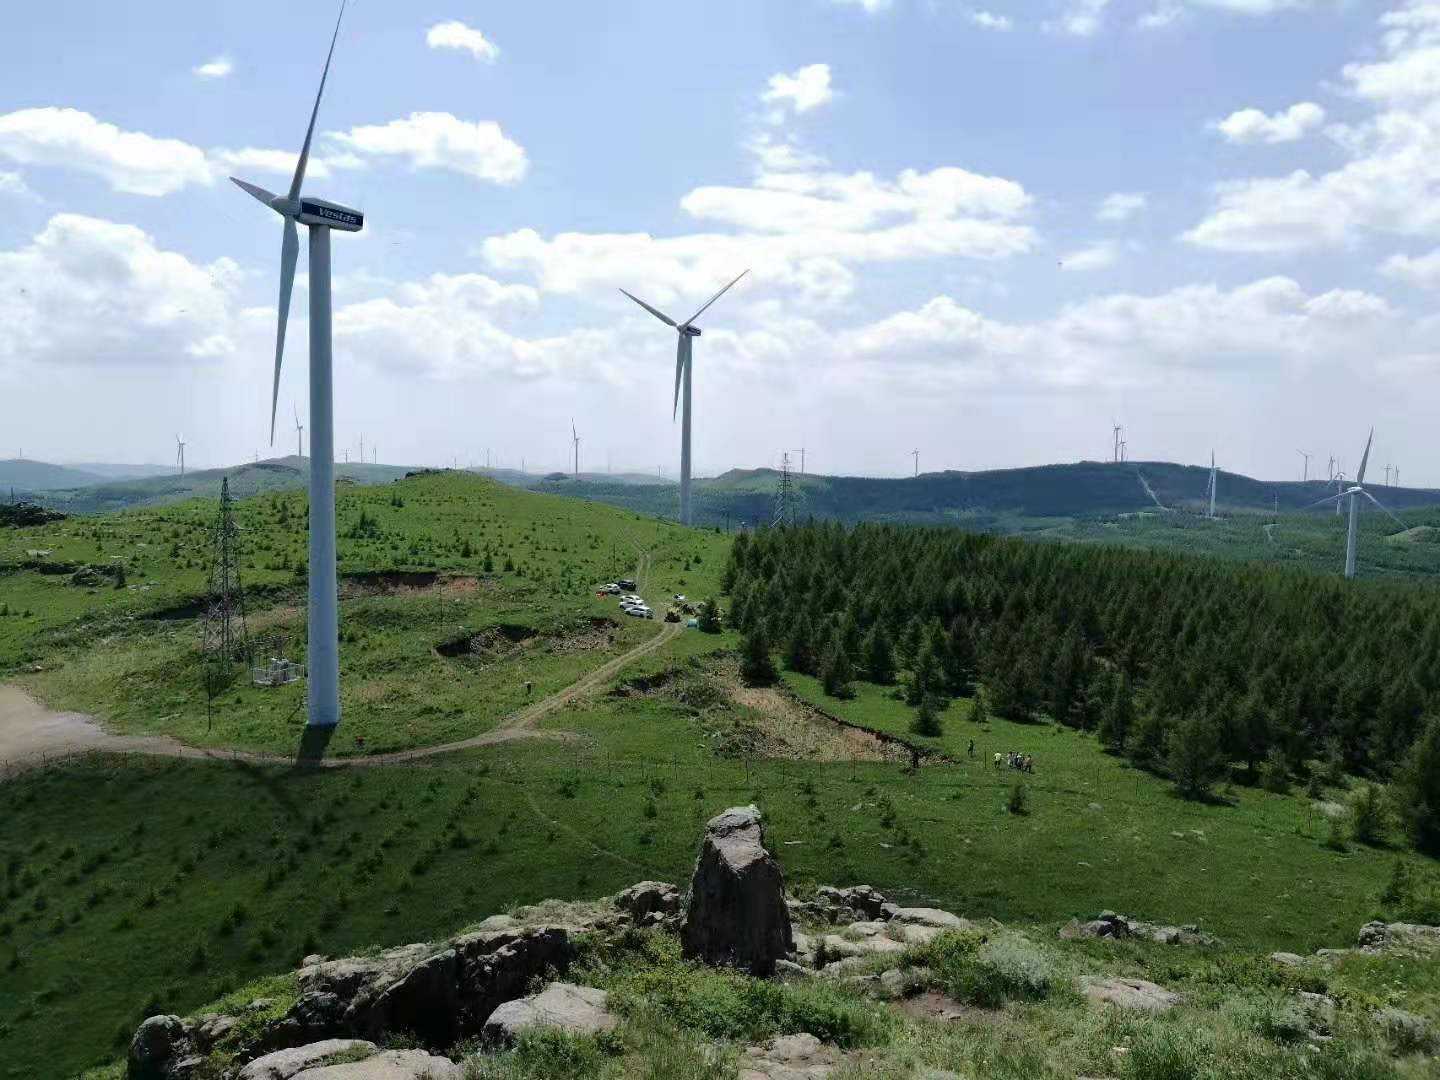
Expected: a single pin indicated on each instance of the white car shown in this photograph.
(680, 599)
(639, 611)
(611, 589)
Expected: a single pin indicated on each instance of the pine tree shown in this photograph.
(1417, 789)
(927, 719)
(879, 656)
(979, 710)
(836, 673)
(1192, 751)
(709, 619)
(958, 658)
(756, 667)
(800, 646)
(925, 678)
(1118, 714)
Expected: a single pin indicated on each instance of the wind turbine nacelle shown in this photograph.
(690, 331)
(332, 215)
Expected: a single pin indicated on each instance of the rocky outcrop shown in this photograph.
(1388, 937)
(388, 1065)
(159, 1043)
(1110, 925)
(790, 1057)
(287, 1064)
(736, 914)
(1130, 994)
(577, 1010)
(649, 903)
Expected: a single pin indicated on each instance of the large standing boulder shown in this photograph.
(736, 913)
(158, 1044)
(576, 1010)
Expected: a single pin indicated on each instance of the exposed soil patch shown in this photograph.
(501, 642)
(748, 721)
(390, 582)
(936, 1006)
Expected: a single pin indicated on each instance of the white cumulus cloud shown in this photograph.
(129, 161)
(1095, 257)
(799, 91)
(1081, 18)
(479, 149)
(89, 291)
(988, 20)
(1122, 205)
(1254, 126)
(456, 35)
(218, 68)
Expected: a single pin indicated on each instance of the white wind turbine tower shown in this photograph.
(575, 439)
(180, 453)
(684, 355)
(299, 434)
(319, 217)
(1305, 474)
(1353, 494)
(1210, 487)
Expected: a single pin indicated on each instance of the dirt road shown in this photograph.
(32, 736)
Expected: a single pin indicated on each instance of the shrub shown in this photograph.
(926, 720)
(988, 973)
(1275, 773)
(756, 667)
(1417, 789)
(1193, 757)
(1019, 800)
(1369, 816)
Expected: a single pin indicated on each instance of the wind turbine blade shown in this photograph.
(310, 131)
(255, 191)
(1322, 502)
(289, 253)
(653, 311)
(717, 296)
(1384, 508)
(679, 369)
(1360, 476)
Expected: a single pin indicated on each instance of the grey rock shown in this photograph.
(926, 916)
(1130, 994)
(1414, 937)
(285, 1064)
(857, 901)
(1409, 1033)
(389, 1065)
(736, 914)
(790, 1057)
(1287, 959)
(790, 971)
(1110, 925)
(575, 1009)
(497, 967)
(159, 1043)
(649, 902)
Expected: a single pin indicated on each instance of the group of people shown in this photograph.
(1024, 762)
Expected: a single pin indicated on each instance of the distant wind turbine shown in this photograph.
(684, 356)
(916, 455)
(1305, 473)
(1354, 494)
(299, 434)
(1210, 487)
(575, 438)
(180, 453)
(320, 217)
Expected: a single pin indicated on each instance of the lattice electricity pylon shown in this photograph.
(226, 638)
(787, 496)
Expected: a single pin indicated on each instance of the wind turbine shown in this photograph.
(916, 455)
(1210, 487)
(180, 453)
(1304, 476)
(684, 356)
(299, 434)
(1353, 494)
(320, 217)
(575, 438)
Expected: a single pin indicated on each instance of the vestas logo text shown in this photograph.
(326, 212)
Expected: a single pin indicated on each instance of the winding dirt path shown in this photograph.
(32, 736)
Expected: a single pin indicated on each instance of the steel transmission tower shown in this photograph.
(787, 495)
(226, 637)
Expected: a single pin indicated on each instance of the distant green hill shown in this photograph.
(261, 477)
(25, 475)
(976, 499)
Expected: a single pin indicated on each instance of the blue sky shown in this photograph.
(982, 230)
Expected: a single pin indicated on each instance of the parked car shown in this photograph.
(611, 589)
(640, 612)
(626, 583)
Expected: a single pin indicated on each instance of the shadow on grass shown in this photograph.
(313, 745)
